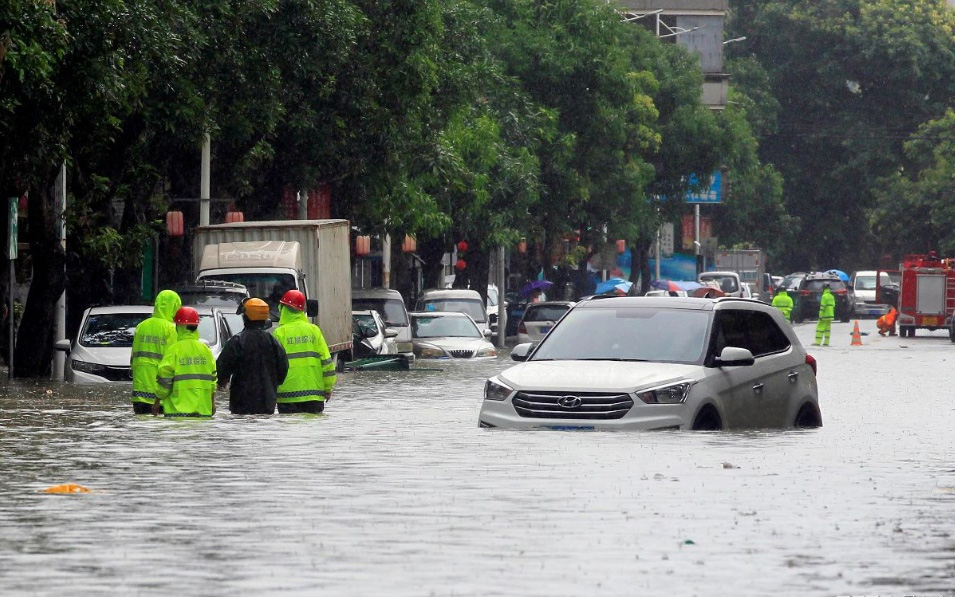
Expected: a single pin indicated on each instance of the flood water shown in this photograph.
(396, 491)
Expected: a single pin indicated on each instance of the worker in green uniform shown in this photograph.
(784, 303)
(187, 374)
(827, 312)
(152, 339)
(311, 373)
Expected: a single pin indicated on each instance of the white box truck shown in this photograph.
(750, 267)
(270, 258)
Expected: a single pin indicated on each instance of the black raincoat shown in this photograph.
(256, 363)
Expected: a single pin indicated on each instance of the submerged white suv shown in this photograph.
(659, 363)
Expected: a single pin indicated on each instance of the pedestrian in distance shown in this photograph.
(827, 312)
(151, 340)
(784, 303)
(886, 323)
(254, 362)
(187, 374)
(311, 373)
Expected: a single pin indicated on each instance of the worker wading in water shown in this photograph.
(311, 372)
(254, 361)
(187, 374)
(153, 337)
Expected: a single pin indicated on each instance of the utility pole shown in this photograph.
(59, 357)
(204, 179)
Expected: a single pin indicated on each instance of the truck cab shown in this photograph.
(729, 282)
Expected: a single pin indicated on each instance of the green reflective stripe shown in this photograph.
(165, 381)
(329, 374)
(140, 394)
(147, 355)
(327, 361)
(302, 355)
(187, 376)
(302, 393)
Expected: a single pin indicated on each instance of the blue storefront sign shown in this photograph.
(712, 194)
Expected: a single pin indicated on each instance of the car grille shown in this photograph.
(461, 354)
(116, 373)
(547, 405)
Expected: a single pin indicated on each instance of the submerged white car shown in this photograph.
(635, 363)
(449, 335)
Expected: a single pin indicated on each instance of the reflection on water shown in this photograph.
(396, 491)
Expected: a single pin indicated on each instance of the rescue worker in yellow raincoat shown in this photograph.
(886, 323)
(784, 303)
(187, 374)
(827, 312)
(152, 339)
(311, 372)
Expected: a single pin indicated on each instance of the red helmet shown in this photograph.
(187, 316)
(294, 299)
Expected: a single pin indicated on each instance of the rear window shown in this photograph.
(545, 313)
(817, 285)
(472, 307)
(391, 310)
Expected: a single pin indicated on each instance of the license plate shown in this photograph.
(571, 427)
(930, 321)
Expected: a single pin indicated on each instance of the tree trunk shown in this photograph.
(34, 347)
(431, 251)
(640, 255)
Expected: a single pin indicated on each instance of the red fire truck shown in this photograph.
(926, 294)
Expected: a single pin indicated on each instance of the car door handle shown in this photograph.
(793, 376)
(758, 388)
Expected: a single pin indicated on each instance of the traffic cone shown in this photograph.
(856, 336)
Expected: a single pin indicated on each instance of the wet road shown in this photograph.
(396, 491)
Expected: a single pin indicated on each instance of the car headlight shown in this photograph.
(672, 394)
(91, 368)
(487, 352)
(429, 351)
(495, 390)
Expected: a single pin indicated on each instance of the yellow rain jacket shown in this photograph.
(311, 372)
(187, 377)
(784, 303)
(152, 339)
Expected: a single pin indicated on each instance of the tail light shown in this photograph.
(839, 292)
(811, 362)
(805, 292)
(522, 329)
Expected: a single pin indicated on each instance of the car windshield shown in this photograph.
(545, 313)
(727, 283)
(492, 296)
(628, 334)
(816, 285)
(365, 322)
(472, 307)
(207, 329)
(235, 322)
(423, 326)
(866, 282)
(268, 287)
(391, 310)
(211, 298)
(113, 330)
(791, 282)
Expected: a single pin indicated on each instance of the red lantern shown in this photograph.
(410, 245)
(522, 246)
(234, 216)
(174, 225)
(462, 247)
(460, 265)
(362, 245)
(621, 246)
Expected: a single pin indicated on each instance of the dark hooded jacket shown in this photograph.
(256, 364)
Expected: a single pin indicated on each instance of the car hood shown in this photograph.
(455, 343)
(112, 356)
(595, 376)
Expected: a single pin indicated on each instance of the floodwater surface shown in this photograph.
(396, 491)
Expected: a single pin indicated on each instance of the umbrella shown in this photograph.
(624, 287)
(530, 287)
(675, 286)
(608, 286)
(842, 275)
(707, 292)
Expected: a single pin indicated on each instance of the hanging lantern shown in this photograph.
(410, 245)
(462, 247)
(174, 225)
(522, 246)
(362, 245)
(460, 265)
(234, 216)
(621, 246)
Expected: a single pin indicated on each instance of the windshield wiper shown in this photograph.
(615, 359)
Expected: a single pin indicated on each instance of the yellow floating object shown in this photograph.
(66, 488)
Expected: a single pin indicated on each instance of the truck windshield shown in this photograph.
(727, 283)
(267, 286)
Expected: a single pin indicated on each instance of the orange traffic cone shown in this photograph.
(856, 336)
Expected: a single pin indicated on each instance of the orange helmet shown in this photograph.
(294, 299)
(256, 309)
(187, 316)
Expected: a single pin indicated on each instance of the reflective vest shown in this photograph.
(784, 303)
(152, 339)
(311, 369)
(827, 305)
(187, 377)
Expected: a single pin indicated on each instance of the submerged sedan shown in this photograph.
(659, 363)
(449, 335)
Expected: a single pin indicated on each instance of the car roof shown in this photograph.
(823, 276)
(550, 304)
(364, 312)
(450, 293)
(111, 309)
(375, 293)
(438, 314)
(671, 302)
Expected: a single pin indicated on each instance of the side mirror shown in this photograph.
(520, 352)
(311, 308)
(62, 345)
(487, 332)
(733, 356)
(391, 333)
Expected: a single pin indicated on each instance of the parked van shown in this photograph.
(456, 299)
(391, 306)
(863, 282)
